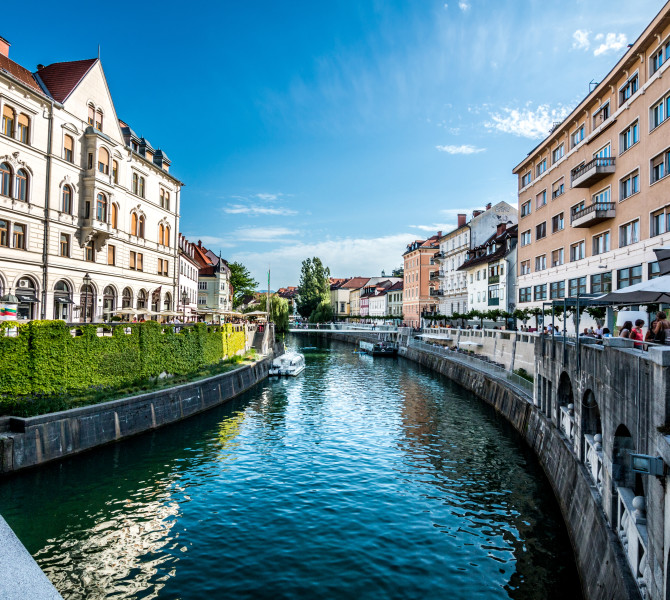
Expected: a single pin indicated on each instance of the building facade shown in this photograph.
(187, 295)
(88, 211)
(420, 293)
(395, 300)
(214, 291)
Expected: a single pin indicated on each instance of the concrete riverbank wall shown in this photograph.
(602, 563)
(29, 442)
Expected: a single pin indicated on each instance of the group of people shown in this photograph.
(657, 332)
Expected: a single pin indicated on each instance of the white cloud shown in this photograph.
(262, 234)
(526, 122)
(434, 228)
(613, 43)
(241, 209)
(464, 6)
(210, 240)
(580, 39)
(464, 149)
(268, 197)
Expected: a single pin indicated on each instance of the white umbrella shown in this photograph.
(663, 257)
(125, 311)
(647, 292)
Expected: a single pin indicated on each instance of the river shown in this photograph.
(363, 477)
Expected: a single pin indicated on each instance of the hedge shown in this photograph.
(46, 358)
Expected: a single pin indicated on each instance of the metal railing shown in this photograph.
(606, 161)
(578, 214)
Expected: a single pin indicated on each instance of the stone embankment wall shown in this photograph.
(33, 441)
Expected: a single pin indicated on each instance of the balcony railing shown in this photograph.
(567, 421)
(434, 292)
(494, 301)
(434, 275)
(631, 526)
(438, 255)
(589, 173)
(594, 459)
(494, 279)
(593, 214)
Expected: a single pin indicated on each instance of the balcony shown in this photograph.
(494, 279)
(594, 214)
(434, 275)
(96, 231)
(438, 256)
(593, 171)
(434, 292)
(494, 301)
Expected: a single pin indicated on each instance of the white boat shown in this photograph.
(289, 363)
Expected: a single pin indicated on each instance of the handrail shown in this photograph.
(576, 214)
(605, 161)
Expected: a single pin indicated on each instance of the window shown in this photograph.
(167, 201)
(557, 258)
(141, 187)
(103, 161)
(115, 171)
(577, 208)
(601, 283)
(541, 230)
(557, 223)
(4, 233)
(91, 114)
(68, 148)
(5, 179)
(628, 89)
(629, 185)
(629, 276)
(8, 121)
(557, 290)
(140, 260)
(525, 179)
(577, 251)
(22, 185)
(542, 167)
(111, 254)
(558, 153)
(140, 226)
(202, 285)
(658, 223)
(604, 152)
(24, 128)
(659, 57)
(163, 267)
(525, 238)
(602, 197)
(540, 292)
(659, 166)
(136, 260)
(98, 120)
(601, 243)
(136, 183)
(524, 294)
(133, 224)
(557, 188)
(654, 270)
(19, 236)
(115, 216)
(161, 233)
(629, 137)
(657, 114)
(577, 136)
(629, 233)
(541, 199)
(525, 208)
(166, 236)
(64, 244)
(90, 160)
(541, 262)
(576, 287)
(89, 252)
(101, 208)
(601, 115)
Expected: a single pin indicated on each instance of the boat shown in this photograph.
(289, 363)
(379, 348)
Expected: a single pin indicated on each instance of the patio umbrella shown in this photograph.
(647, 292)
(663, 258)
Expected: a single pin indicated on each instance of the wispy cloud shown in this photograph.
(211, 240)
(434, 227)
(464, 6)
(464, 149)
(242, 209)
(580, 39)
(263, 234)
(268, 197)
(527, 122)
(613, 42)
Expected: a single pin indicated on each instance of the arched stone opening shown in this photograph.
(622, 474)
(63, 300)
(108, 303)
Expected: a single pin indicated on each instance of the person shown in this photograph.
(626, 329)
(586, 333)
(636, 333)
(649, 336)
(606, 332)
(660, 329)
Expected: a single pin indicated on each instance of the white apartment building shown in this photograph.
(214, 290)
(88, 211)
(187, 297)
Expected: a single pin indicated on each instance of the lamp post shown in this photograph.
(87, 287)
(184, 299)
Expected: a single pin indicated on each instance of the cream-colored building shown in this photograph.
(594, 194)
(88, 211)
(187, 295)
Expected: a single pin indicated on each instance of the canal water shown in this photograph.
(363, 477)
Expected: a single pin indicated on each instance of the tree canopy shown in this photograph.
(242, 282)
(314, 286)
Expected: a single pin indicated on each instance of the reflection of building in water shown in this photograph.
(229, 429)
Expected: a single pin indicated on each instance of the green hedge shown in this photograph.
(45, 357)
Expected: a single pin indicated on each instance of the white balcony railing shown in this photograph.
(631, 527)
(567, 421)
(594, 459)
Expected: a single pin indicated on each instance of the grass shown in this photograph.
(524, 374)
(41, 404)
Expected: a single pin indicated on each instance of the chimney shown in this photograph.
(439, 234)
(488, 206)
(476, 213)
(501, 229)
(199, 243)
(4, 47)
(461, 220)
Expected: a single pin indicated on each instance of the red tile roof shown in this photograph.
(61, 78)
(355, 283)
(20, 73)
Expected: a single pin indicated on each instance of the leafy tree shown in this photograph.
(322, 313)
(494, 314)
(521, 314)
(536, 311)
(279, 313)
(241, 281)
(598, 313)
(314, 286)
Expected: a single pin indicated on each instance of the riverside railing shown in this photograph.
(594, 459)
(631, 527)
(567, 421)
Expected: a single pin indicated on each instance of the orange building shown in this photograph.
(420, 291)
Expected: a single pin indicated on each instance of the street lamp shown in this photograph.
(87, 287)
(184, 299)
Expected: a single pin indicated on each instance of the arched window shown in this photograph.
(162, 197)
(98, 120)
(8, 121)
(62, 300)
(67, 200)
(115, 171)
(103, 161)
(68, 148)
(91, 114)
(136, 179)
(161, 233)
(5, 179)
(141, 187)
(140, 226)
(133, 224)
(166, 236)
(87, 302)
(167, 303)
(24, 128)
(101, 208)
(22, 185)
(127, 298)
(115, 216)
(142, 299)
(108, 303)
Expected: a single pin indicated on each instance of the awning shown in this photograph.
(27, 298)
(63, 300)
(647, 292)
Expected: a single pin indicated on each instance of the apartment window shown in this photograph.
(525, 267)
(557, 258)
(64, 244)
(601, 115)
(659, 166)
(8, 117)
(577, 251)
(115, 216)
(19, 236)
(525, 238)
(111, 254)
(541, 262)
(541, 199)
(98, 120)
(557, 223)
(163, 267)
(604, 152)
(24, 128)
(654, 270)
(601, 283)
(601, 243)
(5, 179)
(22, 185)
(525, 179)
(540, 292)
(557, 188)
(603, 196)
(132, 261)
(541, 230)
(629, 233)
(136, 183)
(629, 185)
(160, 266)
(68, 148)
(659, 57)
(558, 153)
(167, 201)
(557, 290)
(525, 208)
(629, 137)
(115, 171)
(542, 167)
(629, 276)
(89, 252)
(657, 114)
(576, 287)
(577, 136)
(141, 187)
(91, 114)
(658, 223)
(628, 88)
(136, 260)
(101, 208)
(202, 285)
(577, 208)
(140, 226)
(524, 294)
(4, 233)
(166, 236)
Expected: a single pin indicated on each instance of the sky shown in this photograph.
(343, 130)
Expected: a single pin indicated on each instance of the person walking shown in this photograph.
(661, 328)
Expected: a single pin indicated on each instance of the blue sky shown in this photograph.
(341, 129)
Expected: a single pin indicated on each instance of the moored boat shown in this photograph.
(289, 363)
(379, 348)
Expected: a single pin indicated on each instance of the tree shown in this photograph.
(241, 281)
(279, 313)
(521, 314)
(322, 313)
(314, 286)
(598, 313)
